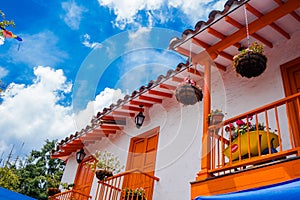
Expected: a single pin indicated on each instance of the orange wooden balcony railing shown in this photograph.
(70, 195)
(114, 187)
(279, 139)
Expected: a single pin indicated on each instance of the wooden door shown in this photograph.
(142, 156)
(291, 81)
(84, 178)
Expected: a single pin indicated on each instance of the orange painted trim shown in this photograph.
(159, 93)
(134, 102)
(152, 99)
(168, 87)
(252, 178)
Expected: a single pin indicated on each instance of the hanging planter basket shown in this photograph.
(188, 93)
(251, 64)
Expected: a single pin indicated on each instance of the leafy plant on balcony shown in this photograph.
(134, 194)
(105, 164)
(242, 127)
(67, 186)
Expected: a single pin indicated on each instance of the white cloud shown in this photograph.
(3, 72)
(127, 11)
(87, 42)
(2, 39)
(38, 49)
(73, 14)
(32, 114)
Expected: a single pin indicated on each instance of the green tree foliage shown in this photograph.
(9, 178)
(36, 173)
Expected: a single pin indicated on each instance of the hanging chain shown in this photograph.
(247, 27)
(190, 59)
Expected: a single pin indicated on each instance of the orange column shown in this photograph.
(206, 140)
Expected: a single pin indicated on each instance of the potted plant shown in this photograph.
(250, 62)
(105, 164)
(247, 136)
(188, 92)
(67, 186)
(134, 194)
(215, 117)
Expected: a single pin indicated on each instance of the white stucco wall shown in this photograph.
(178, 154)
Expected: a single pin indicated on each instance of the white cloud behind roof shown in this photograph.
(127, 11)
(33, 113)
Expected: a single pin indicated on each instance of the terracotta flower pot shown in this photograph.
(53, 191)
(188, 94)
(102, 174)
(250, 64)
(216, 118)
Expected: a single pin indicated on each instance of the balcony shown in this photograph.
(70, 195)
(265, 142)
(114, 187)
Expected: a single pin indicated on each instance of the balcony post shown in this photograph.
(205, 61)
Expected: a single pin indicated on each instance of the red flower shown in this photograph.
(240, 122)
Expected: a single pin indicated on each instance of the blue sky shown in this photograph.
(78, 56)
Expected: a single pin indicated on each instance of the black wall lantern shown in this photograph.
(139, 118)
(80, 156)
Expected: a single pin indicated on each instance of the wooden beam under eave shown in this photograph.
(86, 138)
(168, 87)
(194, 71)
(255, 35)
(159, 93)
(221, 67)
(116, 122)
(71, 148)
(103, 132)
(226, 55)
(110, 127)
(152, 99)
(220, 36)
(106, 117)
(273, 25)
(135, 102)
(256, 25)
(177, 79)
(122, 113)
(293, 13)
(93, 134)
(200, 43)
(133, 108)
(213, 55)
